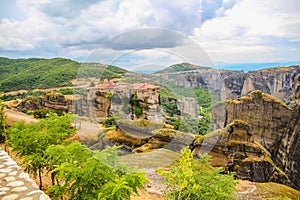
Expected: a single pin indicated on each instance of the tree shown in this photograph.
(31, 140)
(137, 110)
(84, 174)
(3, 125)
(196, 179)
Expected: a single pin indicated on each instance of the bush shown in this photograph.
(109, 122)
(85, 174)
(196, 179)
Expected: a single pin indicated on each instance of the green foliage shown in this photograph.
(181, 67)
(21, 95)
(71, 91)
(109, 122)
(195, 126)
(205, 124)
(134, 102)
(43, 113)
(16, 74)
(108, 96)
(3, 123)
(196, 179)
(138, 111)
(169, 105)
(31, 140)
(84, 174)
(171, 93)
(205, 98)
(47, 73)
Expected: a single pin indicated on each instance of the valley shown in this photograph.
(247, 122)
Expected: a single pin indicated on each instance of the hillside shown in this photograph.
(180, 68)
(32, 73)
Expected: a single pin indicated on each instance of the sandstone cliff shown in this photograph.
(233, 147)
(288, 157)
(266, 115)
(188, 105)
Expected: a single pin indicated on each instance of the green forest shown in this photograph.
(32, 73)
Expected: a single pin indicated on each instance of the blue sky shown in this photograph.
(137, 33)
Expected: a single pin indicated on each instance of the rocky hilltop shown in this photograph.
(234, 148)
(266, 115)
(266, 121)
(233, 83)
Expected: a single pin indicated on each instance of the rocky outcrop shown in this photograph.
(101, 102)
(144, 135)
(276, 81)
(288, 157)
(51, 100)
(266, 115)
(297, 90)
(188, 105)
(230, 84)
(233, 147)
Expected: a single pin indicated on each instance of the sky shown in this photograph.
(143, 34)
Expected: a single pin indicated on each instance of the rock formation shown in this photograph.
(288, 157)
(230, 84)
(102, 100)
(233, 147)
(266, 115)
(188, 105)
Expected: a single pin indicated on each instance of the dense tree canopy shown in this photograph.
(32, 73)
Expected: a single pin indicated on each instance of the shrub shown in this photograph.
(109, 122)
(196, 179)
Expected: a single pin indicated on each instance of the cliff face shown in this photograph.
(288, 157)
(97, 104)
(266, 115)
(51, 100)
(278, 81)
(231, 84)
(273, 124)
(233, 147)
(189, 106)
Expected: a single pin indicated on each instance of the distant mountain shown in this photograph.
(277, 81)
(180, 68)
(32, 73)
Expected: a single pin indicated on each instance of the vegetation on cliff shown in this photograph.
(170, 94)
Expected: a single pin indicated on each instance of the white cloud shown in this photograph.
(232, 30)
(77, 27)
(248, 32)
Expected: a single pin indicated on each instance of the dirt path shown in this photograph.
(14, 116)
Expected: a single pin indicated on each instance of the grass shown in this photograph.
(263, 96)
(272, 190)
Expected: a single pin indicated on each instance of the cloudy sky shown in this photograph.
(135, 33)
